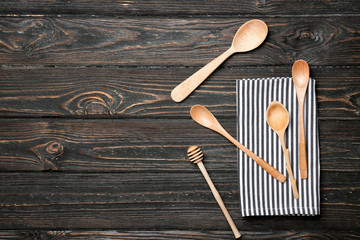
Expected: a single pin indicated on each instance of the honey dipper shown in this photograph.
(196, 156)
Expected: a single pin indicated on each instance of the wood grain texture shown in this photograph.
(158, 200)
(144, 145)
(92, 146)
(90, 92)
(171, 234)
(184, 7)
(148, 41)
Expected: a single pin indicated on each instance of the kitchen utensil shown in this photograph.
(277, 117)
(300, 75)
(204, 117)
(249, 36)
(196, 156)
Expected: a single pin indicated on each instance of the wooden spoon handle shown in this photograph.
(291, 175)
(219, 200)
(267, 167)
(181, 91)
(302, 145)
(303, 160)
(261, 162)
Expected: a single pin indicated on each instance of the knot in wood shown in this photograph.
(93, 103)
(47, 154)
(37, 24)
(54, 147)
(195, 154)
(305, 34)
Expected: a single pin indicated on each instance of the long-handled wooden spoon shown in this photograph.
(249, 36)
(300, 75)
(196, 156)
(204, 117)
(277, 117)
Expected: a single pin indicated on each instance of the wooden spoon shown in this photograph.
(300, 75)
(204, 117)
(249, 36)
(196, 156)
(277, 117)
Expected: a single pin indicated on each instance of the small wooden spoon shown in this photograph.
(277, 117)
(204, 117)
(196, 156)
(249, 36)
(300, 75)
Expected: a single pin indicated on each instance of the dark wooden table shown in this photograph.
(92, 146)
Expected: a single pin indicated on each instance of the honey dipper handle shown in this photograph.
(219, 200)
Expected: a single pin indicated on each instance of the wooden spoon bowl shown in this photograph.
(277, 116)
(249, 36)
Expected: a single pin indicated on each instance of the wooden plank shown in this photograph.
(176, 42)
(171, 234)
(188, 7)
(144, 145)
(145, 92)
(155, 200)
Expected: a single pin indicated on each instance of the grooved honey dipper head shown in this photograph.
(195, 154)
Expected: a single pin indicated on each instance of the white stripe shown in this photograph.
(312, 155)
(254, 125)
(266, 176)
(308, 133)
(290, 140)
(281, 153)
(275, 141)
(270, 157)
(259, 148)
(239, 136)
(316, 155)
(312, 151)
(246, 165)
(287, 200)
(294, 138)
(295, 150)
(251, 165)
(248, 162)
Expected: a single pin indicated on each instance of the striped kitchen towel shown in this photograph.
(261, 194)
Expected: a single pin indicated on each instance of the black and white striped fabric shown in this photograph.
(261, 194)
